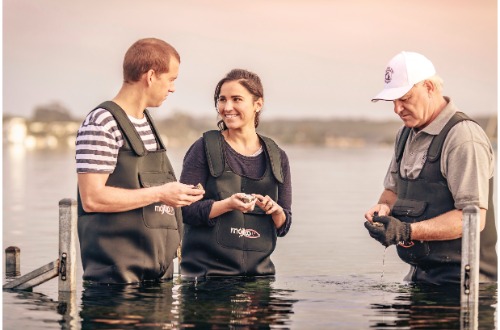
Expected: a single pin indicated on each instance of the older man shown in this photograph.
(443, 161)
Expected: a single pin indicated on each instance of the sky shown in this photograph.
(316, 58)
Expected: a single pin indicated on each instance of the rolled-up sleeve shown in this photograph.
(468, 164)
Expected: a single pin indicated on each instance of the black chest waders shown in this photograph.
(140, 244)
(437, 262)
(239, 244)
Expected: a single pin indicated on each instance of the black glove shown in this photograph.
(389, 230)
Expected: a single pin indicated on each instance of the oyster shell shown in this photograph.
(247, 198)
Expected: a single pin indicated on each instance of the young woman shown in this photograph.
(246, 176)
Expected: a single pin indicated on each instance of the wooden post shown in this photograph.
(179, 258)
(67, 245)
(469, 289)
(68, 308)
(64, 266)
(12, 262)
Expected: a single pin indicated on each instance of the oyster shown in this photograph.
(377, 224)
(247, 198)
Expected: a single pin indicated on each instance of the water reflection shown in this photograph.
(128, 307)
(245, 303)
(36, 310)
(432, 307)
(216, 304)
(336, 275)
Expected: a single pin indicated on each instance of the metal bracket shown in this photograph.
(467, 279)
(62, 266)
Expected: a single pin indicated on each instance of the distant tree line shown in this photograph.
(181, 129)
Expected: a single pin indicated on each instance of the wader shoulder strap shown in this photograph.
(275, 157)
(400, 147)
(434, 152)
(436, 146)
(216, 160)
(156, 133)
(213, 150)
(126, 127)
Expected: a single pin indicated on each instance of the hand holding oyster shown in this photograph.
(378, 224)
(247, 198)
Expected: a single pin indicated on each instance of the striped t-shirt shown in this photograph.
(99, 139)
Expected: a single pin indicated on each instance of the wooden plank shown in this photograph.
(34, 278)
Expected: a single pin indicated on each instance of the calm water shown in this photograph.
(330, 273)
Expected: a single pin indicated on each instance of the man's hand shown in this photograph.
(177, 194)
(380, 209)
(389, 230)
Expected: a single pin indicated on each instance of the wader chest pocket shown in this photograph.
(409, 211)
(408, 208)
(157, 215)
(253, 233)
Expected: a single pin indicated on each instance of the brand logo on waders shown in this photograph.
(248, 233)
(164, 209)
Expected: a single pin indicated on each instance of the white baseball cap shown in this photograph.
(403, 71)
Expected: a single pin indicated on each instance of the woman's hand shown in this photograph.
(271, 207)
(267, 204)
(236, 201)
(241, 202)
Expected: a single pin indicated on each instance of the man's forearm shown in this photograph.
(112, 199)
(446, 226)
(388, 197)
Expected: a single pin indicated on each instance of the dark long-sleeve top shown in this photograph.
(195, 170)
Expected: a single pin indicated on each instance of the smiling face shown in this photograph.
(237, 106)
(414, 108)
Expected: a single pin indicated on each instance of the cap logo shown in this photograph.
(388, 74)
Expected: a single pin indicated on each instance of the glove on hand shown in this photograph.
(392, 231)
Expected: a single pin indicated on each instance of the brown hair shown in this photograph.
(146, 54)
(247, 79)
